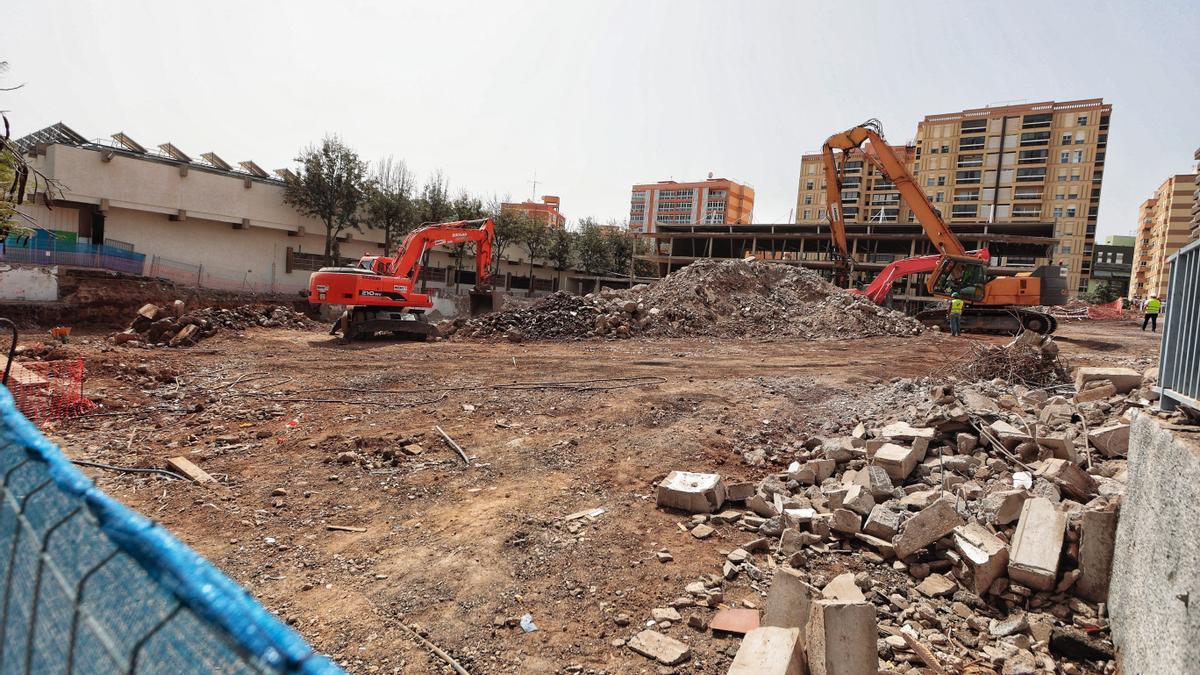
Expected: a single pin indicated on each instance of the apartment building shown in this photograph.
(1112, 264)
(1196, 195)
(1164, 226)
(867, 195)
(1022, 163)
(713, 201)
(548, 212)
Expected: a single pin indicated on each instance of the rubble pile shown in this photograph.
(1031, 359)
(708, 298)
(175, 327)
(973, 533)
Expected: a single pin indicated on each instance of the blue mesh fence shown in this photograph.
(89, 586)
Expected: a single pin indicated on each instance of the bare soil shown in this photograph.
(461, 551)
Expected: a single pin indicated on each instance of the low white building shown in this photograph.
(197, 221)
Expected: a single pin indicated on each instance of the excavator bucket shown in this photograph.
(482, 302)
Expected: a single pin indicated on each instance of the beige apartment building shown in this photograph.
(1030, 163)
(712, 201)
(1164, 226)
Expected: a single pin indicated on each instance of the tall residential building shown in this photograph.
(1164, 226)
(1022, 163)
(867, 196)
(1196, 196)
(712, 201)
(547, 212)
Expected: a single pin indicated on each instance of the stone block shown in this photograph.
(770, 650)
(843, 588)
(984, 556)
(691, 492)
(935, 586)
(822, 468)
(1002, 508)
(1097, 393)
(882, 522)
(1111, 440)
(739, 492)
(1037, 544)
(965, 443)
(845, 521)
(932, 523)
(858, 500)
(1124, 379)
(1098, 532)
(877, 481)
(842, 638)
(788, 601)
(903, 431)
(1069, 478)
(761, 507)
(1007, 434)
(897, 460)
(654, 645)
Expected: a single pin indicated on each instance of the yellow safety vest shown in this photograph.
(956, 306)
(1154, 306)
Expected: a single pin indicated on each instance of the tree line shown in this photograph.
(332, 184)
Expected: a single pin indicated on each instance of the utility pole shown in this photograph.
(533, 195)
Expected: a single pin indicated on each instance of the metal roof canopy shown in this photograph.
(175, 152)
(56, 133)
(128, 143)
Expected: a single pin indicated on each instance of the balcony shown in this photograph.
(1028, 195)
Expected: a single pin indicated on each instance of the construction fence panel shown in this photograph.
(74, 254)
(90, 586)
(1179, 357)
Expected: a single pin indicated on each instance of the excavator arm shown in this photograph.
(881, 286)
(407, 264)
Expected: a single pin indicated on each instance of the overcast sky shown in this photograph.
(592, 97)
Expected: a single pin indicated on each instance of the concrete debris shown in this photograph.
(1124, 380)
(971, 520)
(654, 645)
(155, 326)
(710, 297)
(691, 492)
(770, 650)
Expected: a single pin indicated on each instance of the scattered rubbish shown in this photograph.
(156, 326)
(1022, 479)
(527, 623)
(345, 528)
(452, 444)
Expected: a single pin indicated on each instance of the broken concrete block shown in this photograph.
(788, 601)
(149, 311)
(1069, 477)
(1007, 434)
(1111, 440)
(1098, 533)
(691, 492)
(919, 499)
(882, 522)
(661, 614)
(936, 585)
(1097, 393)
(761, 507)
(702, 531)
(844, 589)
(932, 523)
(654, 645)
(897, 460)
(841, 638)
(739, 492)
(1002, 508)
(984, 555)
(965, 443)
(770, 650)
(978, 403)
(793, 540)
(821, 468)
(845, 521)
(858, 500)
(882, 546)
(412, 449)
(1037, 544)
(735, 620)
(876, 480)
(1124, 379)
(903, 431)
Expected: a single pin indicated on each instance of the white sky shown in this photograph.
(593, 97)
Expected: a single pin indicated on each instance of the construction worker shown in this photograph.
(956, 310)
(1153, 309)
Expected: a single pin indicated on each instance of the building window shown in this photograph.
(929, 181)
(965, 211)
(1078, 156)
(1070, 211)
(808, 185)
(1064, 157)
(1066, 249)
(808, 214)
(1058, 212)
(820, 213)
(1066, 138)
(940, 197)
(807, 199)
(1120, 258)
(1082, 120)
(941, 180)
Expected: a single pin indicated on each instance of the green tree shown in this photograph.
(330, 185)
(434, 205)
(535, 240)
(620, 246)
(562, 248)
(390, 205)
(592, 249)
(509, 228)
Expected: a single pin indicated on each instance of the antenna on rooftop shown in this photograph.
(533, 195)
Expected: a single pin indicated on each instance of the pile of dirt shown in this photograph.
(175, 327)
(708, 298)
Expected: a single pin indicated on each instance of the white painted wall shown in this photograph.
(28, 283)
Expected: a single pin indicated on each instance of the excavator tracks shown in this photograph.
(997, 320)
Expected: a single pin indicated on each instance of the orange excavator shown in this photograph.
(993, 303)
(380, 292)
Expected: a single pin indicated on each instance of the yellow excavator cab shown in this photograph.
(965, 275)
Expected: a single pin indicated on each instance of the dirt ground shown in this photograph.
(464, 551)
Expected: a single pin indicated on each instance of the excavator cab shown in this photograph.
(965, 275)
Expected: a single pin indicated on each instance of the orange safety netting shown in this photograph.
(49, 390)
(1107, 311)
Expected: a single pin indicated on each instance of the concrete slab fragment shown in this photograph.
(984, 555)
(843, 588)
(788, 601)
(1111, 440)
(1098, 532)
(654, 645)
(842, 638)
(1124, 379)
(897, 460)
(691, 492)
(932, 523)
(1037, 544)
(770, 650)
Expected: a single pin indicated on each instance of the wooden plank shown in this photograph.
(184, 466)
